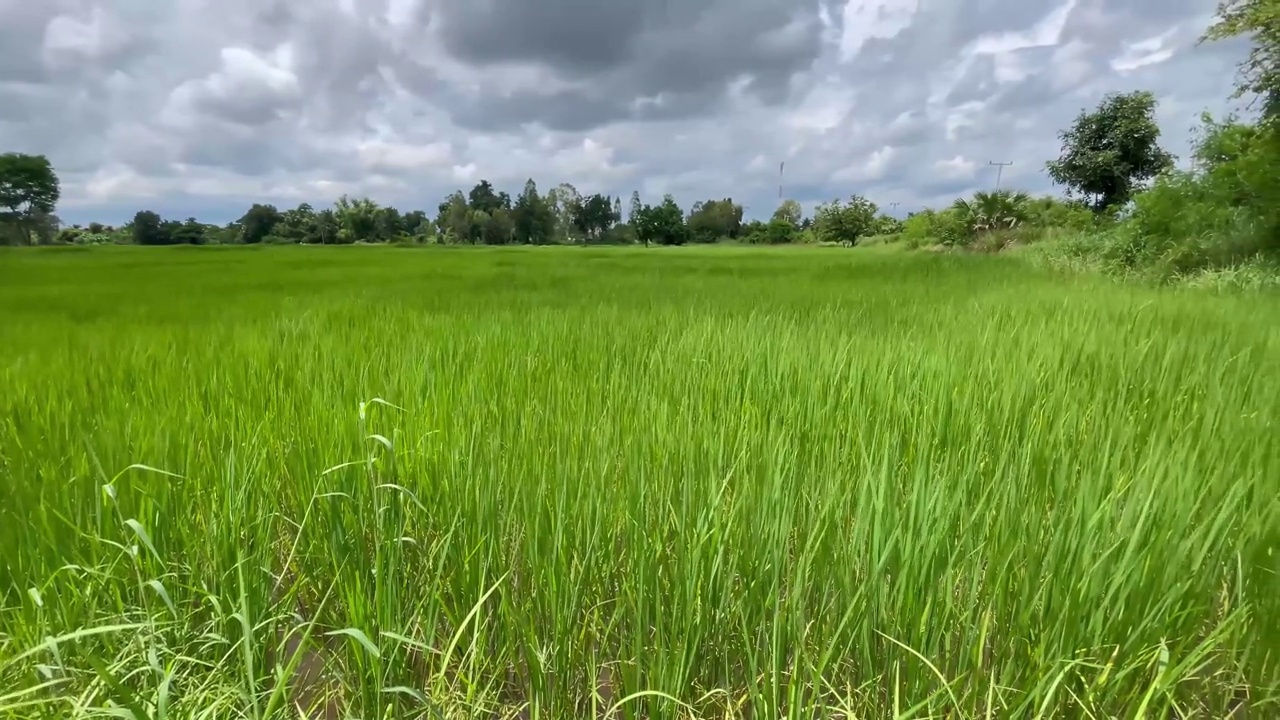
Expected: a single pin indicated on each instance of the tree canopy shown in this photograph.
(29, 189)
(1260, 71)
(1111, 152)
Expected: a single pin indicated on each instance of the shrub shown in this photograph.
(1218, 215)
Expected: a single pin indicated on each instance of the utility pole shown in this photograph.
(1000, 166)
(894, 205)
(781, 166)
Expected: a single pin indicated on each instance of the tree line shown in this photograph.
(482, 216)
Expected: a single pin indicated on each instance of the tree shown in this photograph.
(663, 224)
(1110, 153)
(258, 223)
(483, 198)
(190, 232)
(297, 225)
(593, 216)
(565, 203)
(502, 229)
(845, 223)
(531, 217)
(28, 189)
(357, 219)
(992, 211)
(780, 231)
(715, 219)
(327, 227)
(415, 223)
(1260, 71)
(635, 207)
(790, 211)
(453, 219)
(148, 229)
(388, 225)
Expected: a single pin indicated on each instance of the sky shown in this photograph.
(203, 107)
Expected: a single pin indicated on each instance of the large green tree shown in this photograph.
(297, 225)
(565, 202)
(149, 229)
(1110, 153)
(358, 219)
(713, 220)
(789, 211)
(663, 224)
(191, 232)
(258, 223)
(532, 218)
(845, 223)
(29, 190)
(483, 197)
(453, 219)
(1260, 71)
(593, 217)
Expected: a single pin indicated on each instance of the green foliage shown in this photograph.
(259, 222)
(935, 227)
(148, 229)
(297, 225)
(482, 198)
(715, 220)
(453, 219)
(1224, 212)
(991, 211)
(789, 211)
(844, 223)
(886, 225)
(1051, 212)
(566, 204)
(766, 483)
(620, 234)
(388, 225)
(327, 228)
(1108, 154)
(358, 219)
(29, 192)
(533, 219)
(663, 224)
(1217, 224)
(494, 228)
(593, 216)
(190, 232)
(1259, 20)
(778, 231)
(918, 228)
(83, 236)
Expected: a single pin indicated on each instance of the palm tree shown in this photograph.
(990, 211)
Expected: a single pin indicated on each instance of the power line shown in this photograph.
(1000, 166)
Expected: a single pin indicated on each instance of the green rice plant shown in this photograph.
(614, 482)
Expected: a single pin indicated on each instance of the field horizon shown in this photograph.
(729, 482)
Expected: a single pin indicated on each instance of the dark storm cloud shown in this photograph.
(577, 36)
(629, 49)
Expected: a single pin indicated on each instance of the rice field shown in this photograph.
(667, 483)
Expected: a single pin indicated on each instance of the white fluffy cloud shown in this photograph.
(191, 107)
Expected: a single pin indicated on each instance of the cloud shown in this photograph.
(957, 168)
(191, 107)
